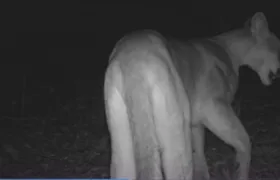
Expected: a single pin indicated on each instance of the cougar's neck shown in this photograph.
(238, 44)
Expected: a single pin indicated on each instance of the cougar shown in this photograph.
(161, 93)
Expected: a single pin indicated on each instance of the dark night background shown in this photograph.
(54, 56)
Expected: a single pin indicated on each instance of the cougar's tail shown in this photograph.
(145, 119)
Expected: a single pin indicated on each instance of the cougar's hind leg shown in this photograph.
(170, 107)
(148, 116)
(122, 157)
(164, 143)
(138, 97)
(146, 121)
(223, 122)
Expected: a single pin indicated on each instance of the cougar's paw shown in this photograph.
(226, 170)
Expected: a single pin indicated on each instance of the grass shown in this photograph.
(72, 141)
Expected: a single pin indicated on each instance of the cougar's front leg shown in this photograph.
(223, 122)
(200, 164)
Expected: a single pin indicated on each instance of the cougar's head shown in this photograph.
(262, 55)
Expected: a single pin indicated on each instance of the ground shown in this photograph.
(72, 141)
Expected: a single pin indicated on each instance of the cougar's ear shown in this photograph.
(259, 26)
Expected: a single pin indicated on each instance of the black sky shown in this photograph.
(82, 35)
